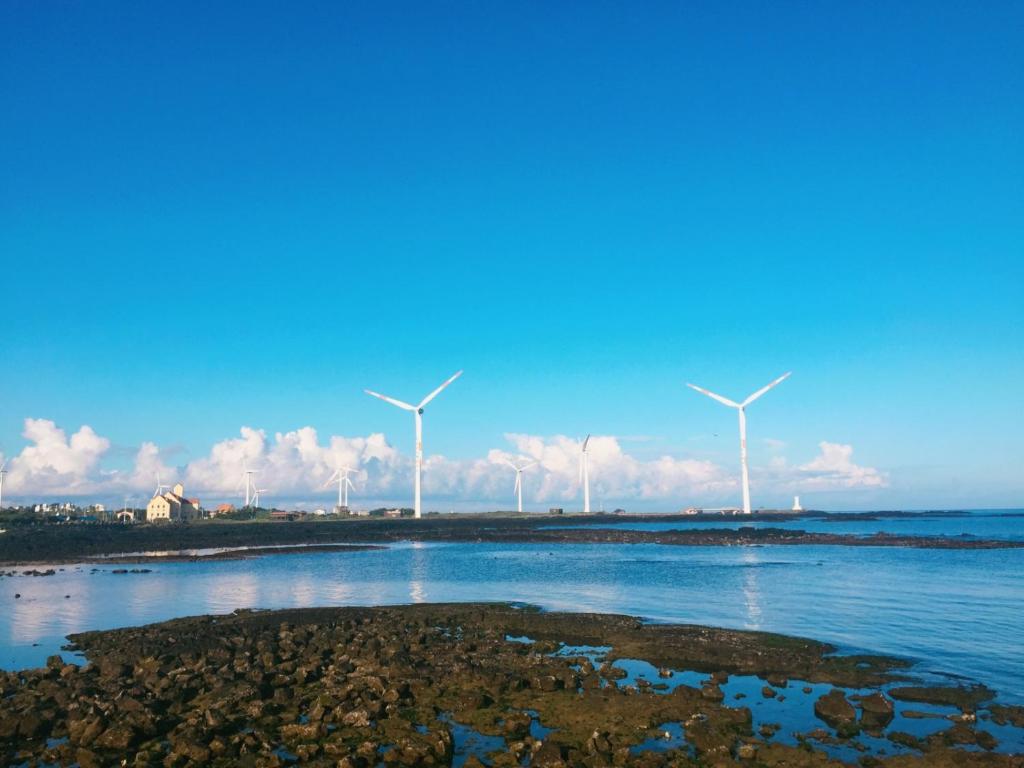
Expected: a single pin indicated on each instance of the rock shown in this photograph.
(746, 752)
(550, 754)
(839, 713)
(358, 718)
(117, 738)
(712, 692)
(876, 711)
(516, 725)
(768, 692)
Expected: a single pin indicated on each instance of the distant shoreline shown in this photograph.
(77, 544)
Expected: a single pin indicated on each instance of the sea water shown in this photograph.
(953, 612)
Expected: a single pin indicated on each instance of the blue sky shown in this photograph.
(242, 215)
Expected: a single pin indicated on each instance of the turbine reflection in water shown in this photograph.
(751, 590)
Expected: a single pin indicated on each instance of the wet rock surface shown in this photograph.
(398, 686)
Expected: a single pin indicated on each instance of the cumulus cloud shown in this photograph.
(295, 466)
(833, 469)
(53, 462)
(294, 462)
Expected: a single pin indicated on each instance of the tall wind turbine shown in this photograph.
(418, 411)
(341, 477)
(3, 473)
(741, 407)
(585, 474)
(519, 480)
(250, 485)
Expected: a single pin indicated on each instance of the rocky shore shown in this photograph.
(488, 684)
(64, 544)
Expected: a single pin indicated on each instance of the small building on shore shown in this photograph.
(172, 506)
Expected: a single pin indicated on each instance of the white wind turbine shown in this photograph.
(256, 496)
(743, 428)
(3, 474)
(585, 474)
(418, 411)
(160, 487)
(340, 476)
(519, 480)
(250, 485)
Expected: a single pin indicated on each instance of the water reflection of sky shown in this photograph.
(961, 611)
(988, 524)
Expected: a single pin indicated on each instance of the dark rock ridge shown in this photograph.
(360, 687)
(73, 543)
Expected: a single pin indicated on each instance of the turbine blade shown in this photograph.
(386, 399)
(437, 391)
(527, 466)
(511, 464)
(349, 483)
(585, 442)
(713, 396)
(762, 390)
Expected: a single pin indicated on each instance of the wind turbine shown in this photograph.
(418, 411)
(250, 485)
(519, 480)
(341, 475)
(585, 474)
(256, 496)
(3, 473)
(741, 407)
(160, 487)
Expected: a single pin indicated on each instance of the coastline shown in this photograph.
(79, 544)
(406, 684)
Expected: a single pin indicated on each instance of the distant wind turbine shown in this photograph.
(341, 477)
(256, 496)
(250, 484)
(585, 474)
(519, 480)
(3, 474)
(418, 411)
(160, 487)
(743, 428)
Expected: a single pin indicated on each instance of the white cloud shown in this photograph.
(52, 462)
(295, 465)
(833, 469)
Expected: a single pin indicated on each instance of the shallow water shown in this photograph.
(955, 611)
(979, 524)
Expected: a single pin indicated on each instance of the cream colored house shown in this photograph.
(172, 506)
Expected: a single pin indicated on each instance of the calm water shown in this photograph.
(982, 524)
(953, 611)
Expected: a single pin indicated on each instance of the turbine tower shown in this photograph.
(741, 407)
(341, 477)
(3, 473)
(418, 412)
(519, 480)
(256, 496)
(250, 485)
(585, 474)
